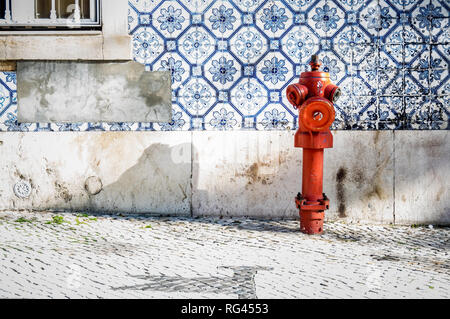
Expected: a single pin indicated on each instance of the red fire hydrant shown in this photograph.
(313, 96)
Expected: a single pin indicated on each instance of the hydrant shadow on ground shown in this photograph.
(313, 96)
(241, 283)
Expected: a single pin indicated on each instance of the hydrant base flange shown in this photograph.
(311, 223)
(311, 214)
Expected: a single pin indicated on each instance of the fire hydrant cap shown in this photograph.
(317, 114)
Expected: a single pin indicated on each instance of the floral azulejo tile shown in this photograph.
(223, 117)
(276, 117)
(417, 112)
(439, 113)
(8, 94)
(391, 113)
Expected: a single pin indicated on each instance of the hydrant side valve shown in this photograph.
(332, 92)
(296, 94)
(313, 96)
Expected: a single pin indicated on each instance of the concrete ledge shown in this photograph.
(54, 47)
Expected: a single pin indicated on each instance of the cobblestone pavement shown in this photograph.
(47, 255)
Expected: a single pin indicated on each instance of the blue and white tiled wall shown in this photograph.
(231, 61)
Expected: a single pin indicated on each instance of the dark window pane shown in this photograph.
(85, 9)
(43, 8)
(2, 8)
(64, 9)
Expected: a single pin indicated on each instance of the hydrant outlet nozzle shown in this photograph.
(296, 94)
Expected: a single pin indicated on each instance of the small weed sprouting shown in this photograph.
(78, 222)
(57, 220)
(84, 219)
(148, 226)
(23, 220)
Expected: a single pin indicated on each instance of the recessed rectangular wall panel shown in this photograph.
(55, 91)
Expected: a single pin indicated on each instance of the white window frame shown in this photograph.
(22, 13)
(110, 41)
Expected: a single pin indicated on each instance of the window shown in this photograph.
(49, 14)
(64, 30)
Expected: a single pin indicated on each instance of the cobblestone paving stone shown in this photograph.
(110, 256)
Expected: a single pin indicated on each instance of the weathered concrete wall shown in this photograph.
(422, 179)
(52, 91)
(138, 172)
(371, 176)
(259, 174)
(245, 173)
